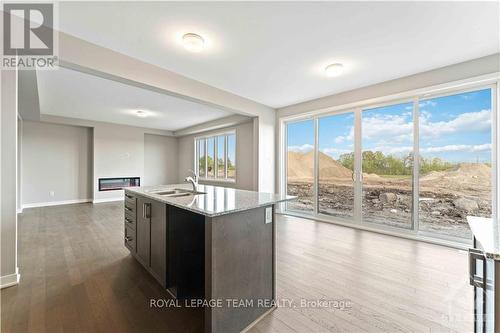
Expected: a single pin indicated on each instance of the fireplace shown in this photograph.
(113, 184)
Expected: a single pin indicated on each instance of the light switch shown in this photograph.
(269, 214)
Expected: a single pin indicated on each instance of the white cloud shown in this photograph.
(461, 148)
(476, 121)
(430, 103)
(386, 130)
(301, 149)
(348, 137)
(391, 128)
(335, 151)
(388, 150)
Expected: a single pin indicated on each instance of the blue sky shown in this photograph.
(231, 148)
(456, 128)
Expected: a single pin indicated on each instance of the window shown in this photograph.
(336, 165)
(418, 166)
(216, 156)
(221, 156)
(300, 165)
(455, 162)
(201, 157)
(211, 157)
(231, 156)
(387, 140)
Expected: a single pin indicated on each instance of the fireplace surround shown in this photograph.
(119, 183)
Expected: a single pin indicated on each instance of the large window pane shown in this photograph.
(336, 165)
(231, 156)
(211, 157)
(201, 157)
(221, 169)
(455, 161)
(300, 165)
(387, 143)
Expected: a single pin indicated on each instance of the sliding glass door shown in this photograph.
(387, 141)
(336, 165)
(360, 166)
(455, 161)
(300, 165)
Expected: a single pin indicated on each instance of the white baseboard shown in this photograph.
(107, 200)
(55, 203)
(10, 280)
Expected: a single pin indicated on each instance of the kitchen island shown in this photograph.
(214, 245)
(484, 273)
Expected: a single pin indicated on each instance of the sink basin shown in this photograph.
(176, 192)
(162, 192)
(175, 195)
(182, 190)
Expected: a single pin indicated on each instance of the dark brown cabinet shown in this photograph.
(151, 237)
(158, 241)
(143, 232)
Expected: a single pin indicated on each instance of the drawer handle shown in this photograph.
(146, 211)
(128, 208)
(474, 279)
(128, 239)
(128, 221)
(128, 196)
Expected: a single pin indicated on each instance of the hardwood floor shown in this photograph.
(77, 276)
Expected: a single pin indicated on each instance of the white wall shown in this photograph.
(58, 159)
(460, 71)
(19, 201)
(244, 156)
(68, 156)
(160, 160)
(118, 152)
(8, 190)
(113, 65)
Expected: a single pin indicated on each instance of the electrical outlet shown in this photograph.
(51, 193)
(269, 214)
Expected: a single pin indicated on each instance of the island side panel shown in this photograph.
(239, 263)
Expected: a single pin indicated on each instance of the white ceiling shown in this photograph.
(73, 94)
(274, 53)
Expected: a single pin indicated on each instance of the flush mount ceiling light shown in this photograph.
(141, 114)
(333, 70)
(193, 42)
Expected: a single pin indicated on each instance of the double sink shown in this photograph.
(176, 192)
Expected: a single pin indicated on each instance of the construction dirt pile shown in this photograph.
(446, 198)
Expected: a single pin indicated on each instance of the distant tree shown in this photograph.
(378, 163)
(230, 164)
(347, 160)
(209, 160)
(434, 164)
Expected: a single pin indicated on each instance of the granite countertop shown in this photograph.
(484, 231)
(217, 200)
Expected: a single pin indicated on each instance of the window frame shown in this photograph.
(489, 81)
(215, 137)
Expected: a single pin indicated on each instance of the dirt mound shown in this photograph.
(300, 167)
(471, 180)
(474, 170)
(464, 172)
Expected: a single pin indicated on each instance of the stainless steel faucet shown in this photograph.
(193, 180)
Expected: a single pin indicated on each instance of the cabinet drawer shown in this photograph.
(129, 221)
(130, 199)
(129, 207)
(129, 240)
